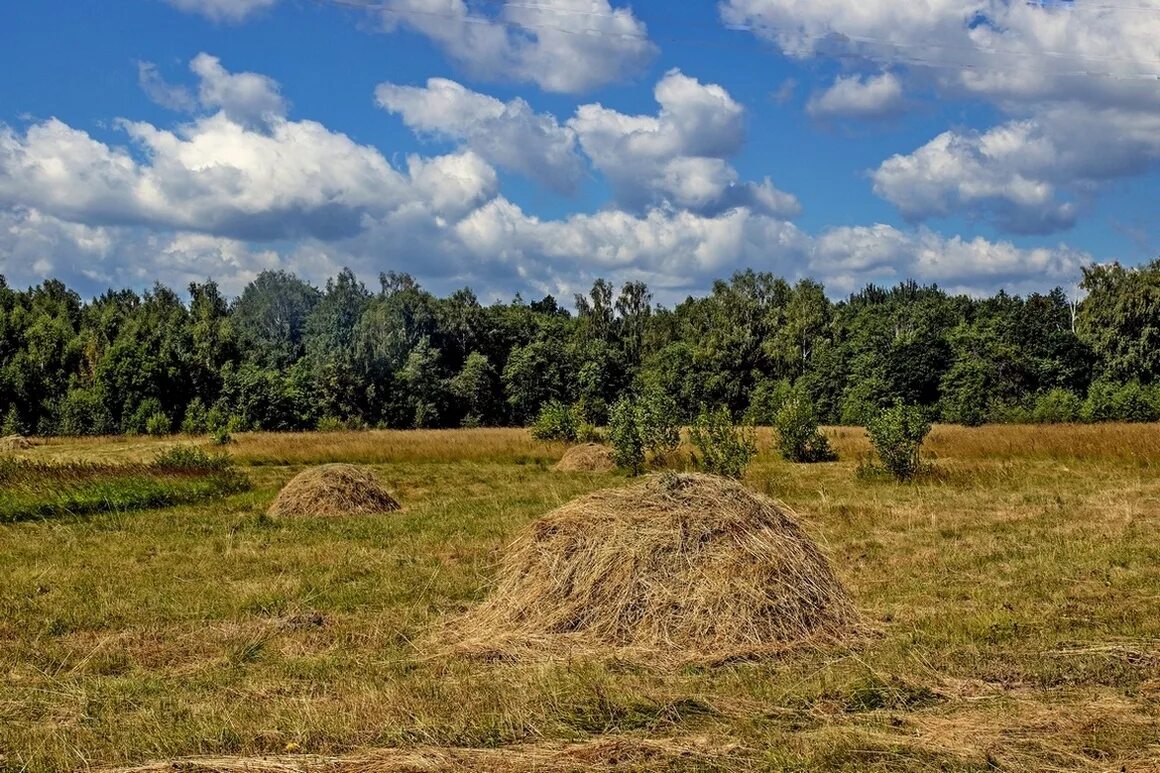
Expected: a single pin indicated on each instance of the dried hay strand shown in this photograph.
(622, 754)
(589, 457)
(15, 443)
(333, 490)
(676, 569)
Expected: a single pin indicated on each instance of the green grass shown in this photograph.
(1015, 598)
(32, 490)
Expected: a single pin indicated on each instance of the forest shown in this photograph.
(286, 355)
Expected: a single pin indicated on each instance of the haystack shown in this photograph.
(333, 490)
(676, 568)
(15, 443)
(589, 457)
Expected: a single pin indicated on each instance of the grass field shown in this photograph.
(1014, 594)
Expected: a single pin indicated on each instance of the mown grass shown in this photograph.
(1015, 594)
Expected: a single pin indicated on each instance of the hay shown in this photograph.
(601, 754)
(589, 457)
(678, 568)
(333, 490)
(15, 443)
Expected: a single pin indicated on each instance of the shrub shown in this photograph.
(82, 412)
(135, 421)
(724, 449)
(555, 422)
(1057, 406)
(589, 433)
(158, 425)
(196, 419)
(187, 458)
(897, 434)
(799, 439)
(221, 437)
(1133, 403)
(625, 436)
(766, 402)
(1100, 403)
(657, 418)
(11, 425)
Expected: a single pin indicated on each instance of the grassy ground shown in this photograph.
(1016, 592)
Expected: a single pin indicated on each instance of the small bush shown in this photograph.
(196, 419)
(766, 402)
(221, 437)
(135, 422)
(799, 439)
(897, 434)
(187, 458)
(1057, 406)
(589, 433)
(471, 421)
(657, 417)
(555, 422)
(330, 424)
(723, 448)
(624, 434)
(158, 425)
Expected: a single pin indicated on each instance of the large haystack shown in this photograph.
(333, 490)
(676, 568)
(15, 443)
(589, 457)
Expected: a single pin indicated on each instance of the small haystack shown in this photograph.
(333, 490)
(15, 443)
(589, 457)
(685, 568)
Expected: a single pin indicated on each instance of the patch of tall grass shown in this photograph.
(31, 490)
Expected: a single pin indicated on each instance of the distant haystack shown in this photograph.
(589, 457)
(15, 443)
(333, 490)
(676, 568)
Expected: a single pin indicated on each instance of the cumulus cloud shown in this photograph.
(853, 96)
(246, 98)
(509, 135)
(567, 46)
(677, 157)
(222, 10)
(219, 197)
(1049, 66)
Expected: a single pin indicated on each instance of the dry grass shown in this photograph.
(1017, 595)
(621, 754)
(587, 457)
(332, 490)
(15, 443)
(684, 568)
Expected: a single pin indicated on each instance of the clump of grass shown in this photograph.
(32, 490)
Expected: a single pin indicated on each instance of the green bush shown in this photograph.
(624, 434)
(766, 401)
(897, 434)
(799, 439)
(723, 448)
(555, 422)
(660, 431)
(1057, 406)
(221, 437)
(589, 433)
(196, 419)
(135, 421)
(11, 425)
(83, 412)
(158, 425)
(1134, 403)
(188, 458)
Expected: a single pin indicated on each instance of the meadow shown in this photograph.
(1012, 596)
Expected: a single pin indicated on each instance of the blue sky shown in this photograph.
(534, 145)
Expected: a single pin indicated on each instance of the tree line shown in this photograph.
(286, 355)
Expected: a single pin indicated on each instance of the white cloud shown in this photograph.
(1051, 67)
(510, 135)
(852, 96)
(218, 197)
(167, 95)
(567, 46)
(677, 158)
(223, 10)
(245, 98)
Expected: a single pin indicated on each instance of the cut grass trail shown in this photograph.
(1016, 595)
